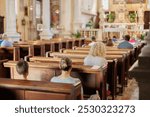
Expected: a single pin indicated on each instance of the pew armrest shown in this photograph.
(27, 58)
(48, 53)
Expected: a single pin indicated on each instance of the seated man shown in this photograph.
(5, 42)
(93, 41)
(22, 68)
(125, 44)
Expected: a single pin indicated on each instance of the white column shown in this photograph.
(77, 15)
(46, 33)
(66, 16)
(11, 21)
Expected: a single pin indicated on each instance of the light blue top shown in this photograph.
(68, 80)
(125, 45)
(1, 41)
(92, 61)
(6, 43)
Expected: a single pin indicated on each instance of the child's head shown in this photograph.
(65, 64)
(22, 68)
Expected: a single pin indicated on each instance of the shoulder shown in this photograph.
(54, 79)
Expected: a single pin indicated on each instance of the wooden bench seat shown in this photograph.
(121, 62)
(111, 69)
(34, 90)
(90, 78)
(10, 53)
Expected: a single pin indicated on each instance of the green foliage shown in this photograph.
(77, 34)
(132, 17)
(89, 24)
(111, 17)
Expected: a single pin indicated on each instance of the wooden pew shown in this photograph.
(121, 59)
(10, 53)
(35, 90)
(90, 78)
(111, 72)
(4, 72)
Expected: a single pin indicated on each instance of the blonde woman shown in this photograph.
(96, 55)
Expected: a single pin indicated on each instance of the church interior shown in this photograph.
(74, 49)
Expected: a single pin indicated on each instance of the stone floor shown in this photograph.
(131, 91)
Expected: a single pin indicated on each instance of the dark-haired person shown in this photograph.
(114, 39)
(93, 41)
(109, 43)
(125, 44)
(65, 77)
(66, 67)
(22, 68)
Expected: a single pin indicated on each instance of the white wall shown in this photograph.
(83, 11)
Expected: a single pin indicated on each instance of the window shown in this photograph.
(105, 4)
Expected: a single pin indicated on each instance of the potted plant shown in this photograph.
(111, 17)
(132, 17)
(77, 34)
(89, 24)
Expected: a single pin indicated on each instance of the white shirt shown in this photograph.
(98, 61)
(92, 43)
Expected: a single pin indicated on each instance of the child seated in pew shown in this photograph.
(22, 68)
(96, 55)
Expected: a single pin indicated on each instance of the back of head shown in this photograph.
(127, 37)
(22, 67)
(65, 64)
(109, 43)
(114, 37)
(93, 38)
(98, 49)
(4, 36)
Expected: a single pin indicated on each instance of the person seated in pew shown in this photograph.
(66, 67)
(65, 77)
(5, 42)
(109, 43)
(93, 41)
(125, 44)
(22, 68)
(96, 55)
(114, 39)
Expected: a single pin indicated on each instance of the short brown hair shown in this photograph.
(22, 67)
(65, 64)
